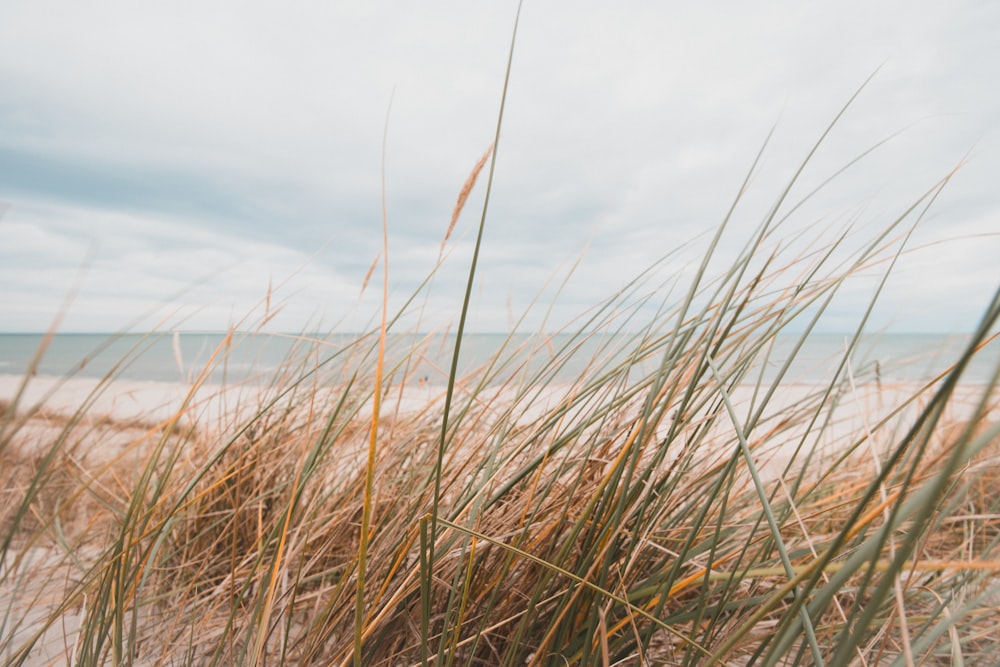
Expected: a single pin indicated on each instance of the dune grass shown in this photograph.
(668, 505)
(611, 520)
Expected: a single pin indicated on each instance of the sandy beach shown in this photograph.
(131, 404)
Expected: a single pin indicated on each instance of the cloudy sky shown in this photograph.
(171, 161)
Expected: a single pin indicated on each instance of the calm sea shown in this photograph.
(179, 357)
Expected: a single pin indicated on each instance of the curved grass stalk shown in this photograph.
(453, 373)
(766, 508)
(366, 511)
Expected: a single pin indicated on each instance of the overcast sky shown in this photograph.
(173, 160)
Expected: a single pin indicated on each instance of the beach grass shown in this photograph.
(613, 520)
(669, 505)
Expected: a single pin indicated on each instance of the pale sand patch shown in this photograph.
(121, 400)
(28, 600)
(151, 402)
(129, 409)
(872, 416)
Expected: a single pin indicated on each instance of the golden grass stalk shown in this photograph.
(463, 195)
(370, 272)
(366, 506)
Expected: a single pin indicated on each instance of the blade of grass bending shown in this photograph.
(868, 550)
(366, 511)
(735, 276)
(948, 623)
(766, 506)
(904, 629)
(673, 345)
(934, 489)
(927, 200)
(453, 373)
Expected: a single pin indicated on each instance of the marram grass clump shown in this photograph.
(671, 504)
(665, 507)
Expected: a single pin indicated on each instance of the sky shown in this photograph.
(201, 165)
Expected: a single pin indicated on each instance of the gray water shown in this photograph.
(180, 357)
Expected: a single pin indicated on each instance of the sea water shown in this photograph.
(181, 357)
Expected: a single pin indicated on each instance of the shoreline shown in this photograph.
(129, 399)
(128, 409)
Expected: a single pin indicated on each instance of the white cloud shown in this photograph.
(193, 136)
(127, 266)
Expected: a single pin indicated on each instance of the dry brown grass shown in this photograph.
(545, 499)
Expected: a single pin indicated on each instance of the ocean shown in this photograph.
(179, 357)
